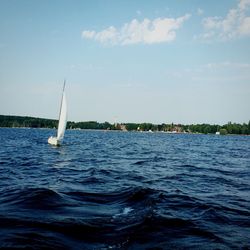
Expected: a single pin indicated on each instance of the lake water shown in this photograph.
(124, 190)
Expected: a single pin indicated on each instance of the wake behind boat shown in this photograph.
(56, 141)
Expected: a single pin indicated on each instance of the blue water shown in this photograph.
(124, 190)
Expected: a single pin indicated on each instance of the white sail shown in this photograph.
(62, 119)
(62, 122)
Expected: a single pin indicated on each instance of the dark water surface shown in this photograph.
(122, 190)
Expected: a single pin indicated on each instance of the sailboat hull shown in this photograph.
(53, 141)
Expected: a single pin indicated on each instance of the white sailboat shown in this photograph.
(61, 123)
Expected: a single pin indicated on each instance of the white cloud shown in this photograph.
(244, 29)
(243, 4)
(109, 34)
(200, 11)
(235, 24)
(238, 68)
(225, 72)
(88, 34)
(148, 31)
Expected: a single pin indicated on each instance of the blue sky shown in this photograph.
(127, 61)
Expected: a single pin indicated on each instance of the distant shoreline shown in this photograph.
(8, 121)
(133, 131)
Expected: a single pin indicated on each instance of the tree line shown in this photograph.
(32, 122)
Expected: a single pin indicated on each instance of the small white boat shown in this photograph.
(57, 141)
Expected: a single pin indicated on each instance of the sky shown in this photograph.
(126, 61)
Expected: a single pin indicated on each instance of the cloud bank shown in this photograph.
(235, 24)
(148, 31)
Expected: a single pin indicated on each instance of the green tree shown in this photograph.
(223, 131)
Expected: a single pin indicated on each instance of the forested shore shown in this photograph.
(33, 122)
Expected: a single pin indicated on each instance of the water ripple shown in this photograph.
(114, 190)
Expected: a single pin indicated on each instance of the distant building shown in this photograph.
(123, 127)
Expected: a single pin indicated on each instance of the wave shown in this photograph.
(32, 198)
(134, 216)
(124, 191)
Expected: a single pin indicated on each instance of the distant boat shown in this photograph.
(57, 141)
